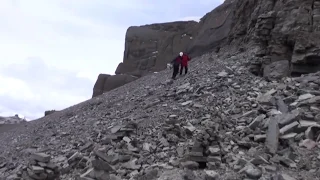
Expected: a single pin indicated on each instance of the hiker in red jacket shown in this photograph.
(184, 62)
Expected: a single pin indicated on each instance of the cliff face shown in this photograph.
(283, 37)
(213, 29)
(150, 47)
(147, 49)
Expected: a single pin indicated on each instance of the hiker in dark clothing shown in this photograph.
(184, 62)
(176, 63)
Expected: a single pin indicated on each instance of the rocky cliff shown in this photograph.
(150, 47)
(147, 49)
(283, 37)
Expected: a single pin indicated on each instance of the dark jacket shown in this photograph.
(183, 60)
(176, 61)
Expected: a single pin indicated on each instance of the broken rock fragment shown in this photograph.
(288, 118)
(272, 139)
(40, 168)
(41, 157)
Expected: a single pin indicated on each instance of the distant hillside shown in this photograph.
(12, 119)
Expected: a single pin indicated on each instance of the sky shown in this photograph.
(51, 51)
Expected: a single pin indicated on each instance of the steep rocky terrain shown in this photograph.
(282, 33)
(218, 122)
(147, 49)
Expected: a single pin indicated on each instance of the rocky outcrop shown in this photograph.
(150, 47)
(282, 30)
(107, 82)
(274, 31)
(99, 85)
(213, 29)
(47, 113)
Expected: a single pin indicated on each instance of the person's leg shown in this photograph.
(186, 70)
(181, 68)
(175, 71)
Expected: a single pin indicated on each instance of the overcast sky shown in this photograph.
(51, 51)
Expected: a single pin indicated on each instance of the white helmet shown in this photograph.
(181, 53)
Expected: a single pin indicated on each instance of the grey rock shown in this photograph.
(102, 165)
(41, 157)
(190, 165)
(211, 175)
(292, 116)
(253, 173)
(286, 177)
(272, 139)
(277, 70)
(257, 121)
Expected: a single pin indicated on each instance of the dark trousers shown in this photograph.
(175, 71)
(185, 69)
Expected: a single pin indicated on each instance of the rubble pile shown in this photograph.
(40, 167)
(219, 122)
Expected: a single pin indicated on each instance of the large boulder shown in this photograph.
(98, 87)
(107, 82)
(276, 70)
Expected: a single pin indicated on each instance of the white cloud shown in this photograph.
(53, 51)
(35, 87)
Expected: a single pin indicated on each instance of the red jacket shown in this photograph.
(184, 60)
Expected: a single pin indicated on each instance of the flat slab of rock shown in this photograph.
(272, 139)
(41, 157)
